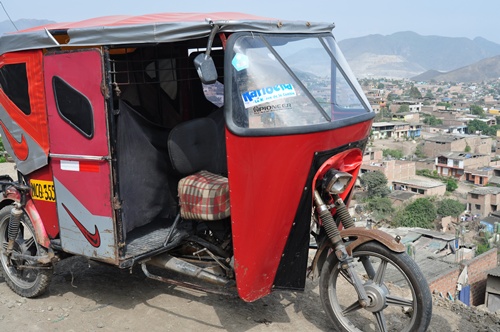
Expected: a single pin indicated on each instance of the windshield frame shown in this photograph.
(339, 62)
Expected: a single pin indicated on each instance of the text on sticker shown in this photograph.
(267, 94)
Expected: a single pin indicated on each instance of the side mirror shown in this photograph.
(205, 67)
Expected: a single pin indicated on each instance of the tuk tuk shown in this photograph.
(214, 146)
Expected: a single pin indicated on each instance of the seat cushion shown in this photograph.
(204, 196)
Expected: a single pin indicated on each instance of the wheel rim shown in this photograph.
(392, 298)
(24, 244)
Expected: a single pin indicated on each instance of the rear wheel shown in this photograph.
(399, 297)
(22, 276)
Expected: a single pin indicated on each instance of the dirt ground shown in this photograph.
(89, 296)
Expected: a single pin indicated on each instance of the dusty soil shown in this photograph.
(94, 297)
(89, 296)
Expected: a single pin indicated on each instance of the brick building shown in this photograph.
(445, 143)
(477, 270)
(482, 201)
(453, 164)
(392, 169)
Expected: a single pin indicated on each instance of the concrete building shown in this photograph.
(445, 143)
(394, 130)
(392, 169)
(479, 176)
(483, 201)
(420, 185)
(453, 164)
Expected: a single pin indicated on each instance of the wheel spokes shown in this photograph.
(27, 244)
(379, 275)
(353, 307)
(396, 300)
(381, 323)
(370, 271)
(346, 276)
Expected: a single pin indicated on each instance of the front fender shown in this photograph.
(355, 236)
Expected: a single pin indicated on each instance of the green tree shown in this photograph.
(467, 148)
(419, 151)
(375, 183)
(477, 110)
(478, 125)
(429, 95)
(2, 152)
(380, 86)
(403, 109)
(432, 120)
(451, 184)
(415, 93)
(397, 154)
(450, 207)
(381, 205)
(419, 213)
(446, 105)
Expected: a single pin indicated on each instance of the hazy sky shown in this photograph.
(449, 18)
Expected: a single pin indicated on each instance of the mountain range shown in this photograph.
(408, 54)
(399, 55)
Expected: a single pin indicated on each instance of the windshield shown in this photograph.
(291, 81)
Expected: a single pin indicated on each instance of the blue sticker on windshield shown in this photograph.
(240, 61)
(267, 94)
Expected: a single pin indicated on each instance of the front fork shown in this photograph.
(345, 259)
(13, 228)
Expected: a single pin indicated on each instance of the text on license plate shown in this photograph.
(43, 190)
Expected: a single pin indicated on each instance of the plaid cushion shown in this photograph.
(204, 196)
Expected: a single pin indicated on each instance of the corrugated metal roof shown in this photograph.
(435, 234)
(494, 272)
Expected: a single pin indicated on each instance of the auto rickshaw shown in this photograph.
(217, 147)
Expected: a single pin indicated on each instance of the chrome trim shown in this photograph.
(78, 157)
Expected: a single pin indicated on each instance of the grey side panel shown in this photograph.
(36, 155)
(99, 229)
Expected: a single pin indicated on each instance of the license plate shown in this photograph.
(43, 190)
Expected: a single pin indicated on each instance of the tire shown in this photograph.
(400, 299)
(25, 282)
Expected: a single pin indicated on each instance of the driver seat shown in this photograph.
(193, 149)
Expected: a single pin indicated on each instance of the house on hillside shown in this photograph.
(406, 117)
(479, 176)
(392, 169)
(433, 146)
(483, 201)
(419, 185)
(394, 130)
(453, 164)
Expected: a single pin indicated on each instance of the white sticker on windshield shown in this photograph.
(240, 61)
(267, 94)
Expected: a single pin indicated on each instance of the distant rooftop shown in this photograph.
(486, 190)
(419, 182)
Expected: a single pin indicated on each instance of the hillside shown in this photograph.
(484, 70)
(407, 54)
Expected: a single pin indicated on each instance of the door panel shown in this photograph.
(79, 153)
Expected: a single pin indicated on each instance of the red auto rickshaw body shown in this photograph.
(80, 101)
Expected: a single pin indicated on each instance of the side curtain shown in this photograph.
(148, 189)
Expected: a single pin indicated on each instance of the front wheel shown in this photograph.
(23, 276)
(399, 297)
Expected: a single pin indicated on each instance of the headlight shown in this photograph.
(335, 182)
